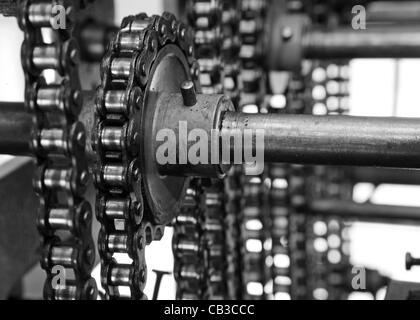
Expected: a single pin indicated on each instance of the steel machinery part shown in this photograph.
(130, 189)
(364, 211)
(149, 78)
(253, 215)
(228, 193)
(292, 39)
(216, 26)
(58, 142)
(329, 83)
(204, 17)
(338, 140)
(15, 128)
(301, 139)
(287, 220)
(297, 176)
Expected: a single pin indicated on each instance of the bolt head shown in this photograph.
(287, 33)
(187, 85)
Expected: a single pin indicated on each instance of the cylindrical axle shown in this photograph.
(16, 126)
(385, 176)
(365, 211)
(375, 42)
(399, 12)
(15, 129)
(299, 139)
(333, 140)
(291, 41)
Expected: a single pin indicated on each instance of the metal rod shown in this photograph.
(386, 175)
(16, 126)
(300, 139)
(388, 41)
(395, 12)
(401, 11)
(364, 211)
(333, 140)
(15, 129)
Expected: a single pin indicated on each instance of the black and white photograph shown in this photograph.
(231, 151)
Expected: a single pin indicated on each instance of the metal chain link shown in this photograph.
(187, 244)
(279, 213)
(297, 185)
(331, 266)
(216, 44)
(229, 23)
(214, 239)
(232, 184)
(193, 275)
(58, 142)
(120, 208)
(253, 215)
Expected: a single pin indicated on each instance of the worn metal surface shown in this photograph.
(292, 39)
(163, 193)
(393, 41)
(206, 113)
(334, 140)
(338, 140)
(15, 129)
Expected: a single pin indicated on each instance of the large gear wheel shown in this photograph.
(133, 199)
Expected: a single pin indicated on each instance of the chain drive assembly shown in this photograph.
(58, 142)
(229, 51)
(244, 237)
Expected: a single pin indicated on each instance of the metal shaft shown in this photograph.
(292, 39)
(365, 211)
(334, 140)
(300, 139)
(16, 126)
(386, 175)
(401, 12)
(387, 41)
(15, 129)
